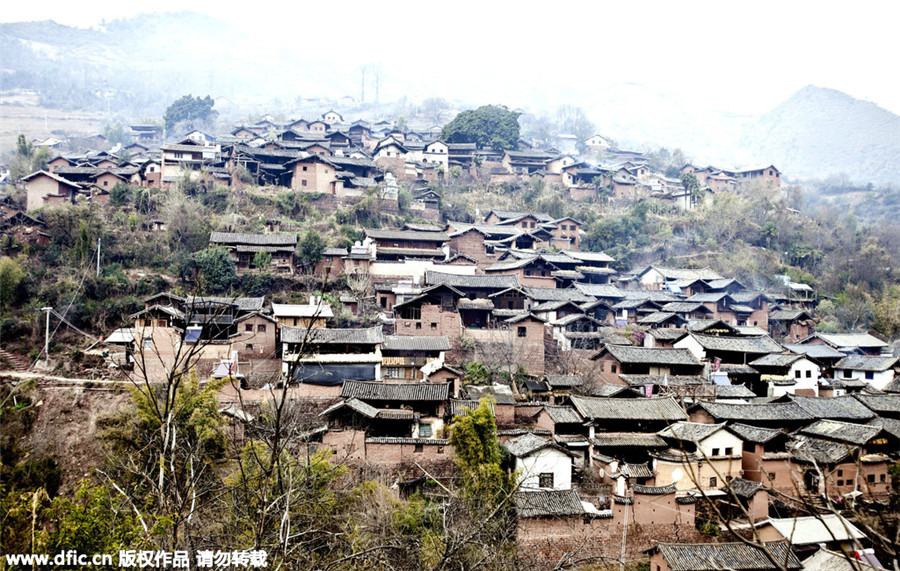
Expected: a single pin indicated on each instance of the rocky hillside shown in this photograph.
(821, 132)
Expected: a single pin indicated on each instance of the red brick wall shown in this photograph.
(447, 323)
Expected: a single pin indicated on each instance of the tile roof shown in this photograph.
(600, 290)
(672, 380)
(851, 340)
(835, 408)
(564, 380)
(815, 351)
(735, 556)
(823, 528)
(652, 355)
(756, 345)
(742, 488)
(885, 405)
(635, 439)
(234, 238)
(415, 343)
(405, 392)
(653, 490)
(842, 431)
(563, 414)
(690, 431)
(867, 363)
(809, 449)
(414, 235)
(528, 444)
(628, 409)
(323, 336)
(776, 360)
(555, 294)
(787, 411)
(549, 503)
(482, 281)
(462, 407)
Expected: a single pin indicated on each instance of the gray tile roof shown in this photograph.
(544, 294)
(628, 409)
(549, 503)
(564, 380)
(234, 238)
(323, 336)
(404, 392)
(690, 431)
(563, 414)
(528, 444)
(600, 291)
(867, 363)
(809, 449)
(757, 345)
(754, 434)
(653, 490)
(776, 360)
(652, 355)
(835, 408)
(415, 343)
(671, 380)
(633, 439)
(413, 235)
(735, 556)
(742, 488)
(482, 281)
(815, 351)
(776, 411)
(885, 405)
(841, 431)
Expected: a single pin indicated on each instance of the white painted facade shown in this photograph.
(548, 460)
(875, 379)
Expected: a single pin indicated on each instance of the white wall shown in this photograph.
(546, 460)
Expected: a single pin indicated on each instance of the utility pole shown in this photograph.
(47, 310)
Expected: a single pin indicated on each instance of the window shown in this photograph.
(840, 482)
(418, 326)
(840, 473)
(522, 332)
(161, 323)
(261, 328)
(797, 373)
(808, 373)
(248, 347)
(147, 344)
(545, 480)
(424, 431)
(248, 328)
(729, 451)
(419, 448)
(871, 478)
(303, 182)
(411, 313)
(434, 325)
(384, 302)
(771, 476)
(304, 169)
(613, 369)
(881, 478)
(870, 375)
(713, 482)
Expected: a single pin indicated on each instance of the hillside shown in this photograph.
(820, 132)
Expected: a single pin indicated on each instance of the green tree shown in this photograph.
(11, 275)
(116, 134)
(216, 268)
(489, 125)
(261, 259)
(310, 248)
(120, 194)
(190, 109)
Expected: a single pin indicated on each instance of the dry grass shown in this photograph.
(21, 113)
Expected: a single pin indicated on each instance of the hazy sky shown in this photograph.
(744, 57)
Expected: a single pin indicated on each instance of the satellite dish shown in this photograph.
(677, 474)
(601, 472)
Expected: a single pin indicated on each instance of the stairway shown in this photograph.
(12, 361)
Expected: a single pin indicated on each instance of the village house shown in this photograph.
(247, 249)
(43, 188)
(787, 373)
(736, 556)
(409, 358)
(616, 360)
(540, 463)
(186, 156)
(321, 359)
(311, 315)
(877, 372)
(719, 452)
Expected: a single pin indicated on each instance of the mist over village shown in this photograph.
(472, 287)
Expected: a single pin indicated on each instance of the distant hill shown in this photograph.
(820, 132)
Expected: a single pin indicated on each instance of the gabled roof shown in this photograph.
(499, 281)
(414, 235)
(885, 405)
(549, 503)
(757, 345)
(628, 409)
(369, 411)
(234, 238)
(735, 556)
(823, 528)
(776, 360)
(323, 336)
(564, 380)
(415, 343)
(690, 431)
(865, 340)
(835, 408)
(542, 294)
(650, 355)
(600, 290)
(842, 431)
(867, 363)
(563, 414)
(787, 411)
(628, 439)
(529, 443)
(404, 392)
(811, 449)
